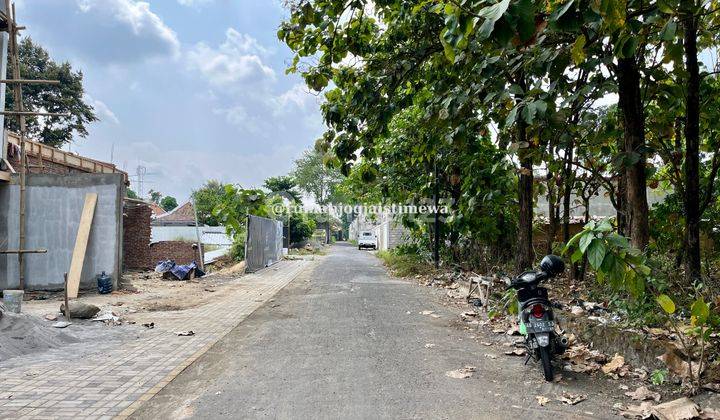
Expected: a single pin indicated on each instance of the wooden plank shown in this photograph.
(83, 234)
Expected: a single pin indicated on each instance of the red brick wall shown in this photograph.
(136, 237)
(48, 167)
(179, 251)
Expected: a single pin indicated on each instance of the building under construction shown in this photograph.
(61, 215)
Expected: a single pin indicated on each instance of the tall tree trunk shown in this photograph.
(621, 197)
(630, 100)
(552, 219)
(692, 148)
(524, 252)
(568, 181)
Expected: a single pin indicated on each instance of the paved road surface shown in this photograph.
(338, 342)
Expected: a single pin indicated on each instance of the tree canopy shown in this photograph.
(314, 177)
(65, 98)
(527, 84)
(206, 198)
(283, 185)
(168, 203)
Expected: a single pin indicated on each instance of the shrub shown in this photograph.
(301, 227)
(405, 264)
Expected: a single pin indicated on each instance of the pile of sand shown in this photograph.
(21, 334)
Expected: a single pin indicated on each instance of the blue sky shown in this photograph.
(190, 89)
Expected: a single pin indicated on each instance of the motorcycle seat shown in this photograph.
(528, 278)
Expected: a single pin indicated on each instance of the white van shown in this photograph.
(367, 239)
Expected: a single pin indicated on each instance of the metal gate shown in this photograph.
(263, 245)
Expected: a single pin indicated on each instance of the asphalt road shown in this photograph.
(345, 340)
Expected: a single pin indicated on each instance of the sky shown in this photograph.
(191, 90)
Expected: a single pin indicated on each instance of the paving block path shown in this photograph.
(113, 380)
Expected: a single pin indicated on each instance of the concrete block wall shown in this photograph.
(54, 206)
(136, 237)
(180, 251)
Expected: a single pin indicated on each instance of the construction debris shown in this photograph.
(80, 310)
(171, 270)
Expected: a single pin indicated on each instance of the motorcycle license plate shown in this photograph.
(541, 326)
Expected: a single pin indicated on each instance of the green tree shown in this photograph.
(206, 198)
(168, 203)
(65, 98)
(130, 193)
(301, 227)
(315, 175)
(283, 184)
(155, 196)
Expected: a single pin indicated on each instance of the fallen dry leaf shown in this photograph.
(516, 352)
(642, 411)
(710, 414)
(542, 400)
(616, 363)
(462, 373)
(571, 399)
(678, 366)
(680, 409)
(486, 343)
(644, 394)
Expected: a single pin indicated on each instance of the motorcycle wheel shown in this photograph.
(545, 359)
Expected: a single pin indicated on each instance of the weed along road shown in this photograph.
(345, 340)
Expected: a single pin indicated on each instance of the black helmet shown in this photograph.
(552, 264)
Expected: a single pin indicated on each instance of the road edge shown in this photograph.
(149, 394)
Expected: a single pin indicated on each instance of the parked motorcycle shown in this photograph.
(543, 336)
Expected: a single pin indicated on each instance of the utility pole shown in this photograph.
(14, 56)
(10, 20)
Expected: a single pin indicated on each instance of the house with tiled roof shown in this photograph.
(156, 210)
(183, 215)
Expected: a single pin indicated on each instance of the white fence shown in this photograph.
(209, 235)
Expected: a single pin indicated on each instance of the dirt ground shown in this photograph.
(144, 297)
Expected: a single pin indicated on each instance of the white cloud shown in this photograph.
(137, 16)
(194, 3)
(104, 31)
(298, 97)
(236, 60)
(101, 109)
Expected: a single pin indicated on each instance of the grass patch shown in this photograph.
(404, 265)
